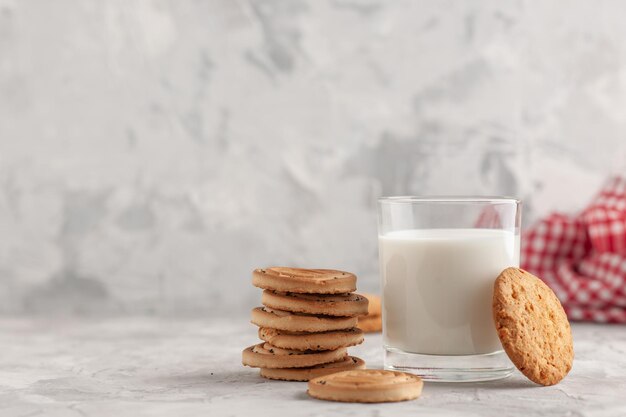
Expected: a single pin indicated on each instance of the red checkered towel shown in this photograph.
(583, 257)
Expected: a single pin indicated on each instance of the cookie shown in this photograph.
(373, 321)
(312, 341)
(305, 374)
(532, 326)
(265, 355)
(327, 304)
(294, 322)
(366, 386)
(306, 281)
(370, 324)
(374, 307)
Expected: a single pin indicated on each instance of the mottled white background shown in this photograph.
(153, 152)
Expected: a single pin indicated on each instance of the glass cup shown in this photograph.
(439, 258)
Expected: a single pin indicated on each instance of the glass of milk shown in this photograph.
(439, 258)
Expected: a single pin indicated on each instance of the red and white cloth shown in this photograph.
(583, 257)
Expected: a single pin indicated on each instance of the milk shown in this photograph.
(437, 288)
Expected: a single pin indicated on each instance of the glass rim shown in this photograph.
(408, 199)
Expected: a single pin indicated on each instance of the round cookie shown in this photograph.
(294, 322)
(370, 324)
(366, 386)
(265, 355)
(326, 304)
(305, 374)
(306, 281)
(373, 322)
(532, 326)
(374, 306)
(312, 341)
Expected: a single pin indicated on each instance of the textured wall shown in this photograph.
(153, 153)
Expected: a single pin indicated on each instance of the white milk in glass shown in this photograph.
(438, 286)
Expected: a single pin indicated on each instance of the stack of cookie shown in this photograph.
(308, 319)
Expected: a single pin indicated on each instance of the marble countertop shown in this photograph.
(179, 367)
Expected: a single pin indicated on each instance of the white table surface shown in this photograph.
(149, 366)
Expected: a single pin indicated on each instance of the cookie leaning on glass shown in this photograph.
(308, 313)
(532, 326)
